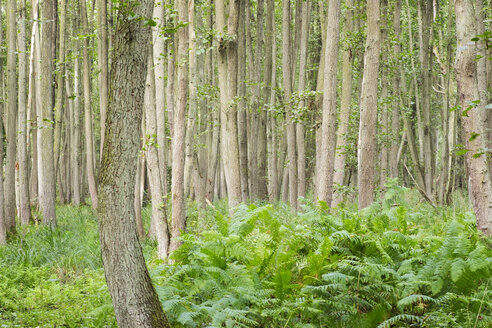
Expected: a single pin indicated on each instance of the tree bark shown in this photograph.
(300, 133)
(287, 85)
(466, 75)
(44, 107)
(25, 206)
(345, 107)
(89, 143)
(395, 115)
(366, 151)
(134, 299)
(11, 122)
(328, 128)
(159, 216)
(102, 52)
(178, 144)
(227, 68)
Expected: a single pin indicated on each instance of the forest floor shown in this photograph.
(398, 263)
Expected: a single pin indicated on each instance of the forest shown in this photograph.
(246, 163)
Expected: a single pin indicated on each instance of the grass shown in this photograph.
(398, 263)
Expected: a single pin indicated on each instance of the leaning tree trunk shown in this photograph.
(479, 182)
(366, 151)
(135, 301)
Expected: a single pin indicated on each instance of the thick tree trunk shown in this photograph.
(328, 128)
(178, 139)
(366, 151)
(466, 75)
(134, 299)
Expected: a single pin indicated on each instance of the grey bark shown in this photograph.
(366, 151)
(135, 301)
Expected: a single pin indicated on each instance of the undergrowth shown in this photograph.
(398, 263)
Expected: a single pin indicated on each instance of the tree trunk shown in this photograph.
(178, 159)
(44, 107)
(395, 115)
(25, 206)
(366, 151)
(134, 299)
(466, 75)
(287, 84)
(300, 133)
(3, 226)
(328, 128)
(227, 68)
(159, 217)
(159, 50)
(102, 53)
(89, 147)
(11, 122)
(426, 9)
(241, 111)
(345, 108)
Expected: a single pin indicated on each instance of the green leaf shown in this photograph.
(457, 269)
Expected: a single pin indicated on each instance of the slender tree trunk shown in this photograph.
(159, 217)
(287, 84)
(241, 111)
(178, 144)
(137, 203)
(466, 75)
(328, 129)
(426, 9)
(395, 115)
(135, 301)
(31, 110)
(60, 73)
(190, 139)
(25, 206)
(159, 50)
(366, 151)
(345, 108)
(44, 107)
(11, 122)
(89, 152)
(227, 68)
(300, 133)
(3, 226)
(102, 52)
